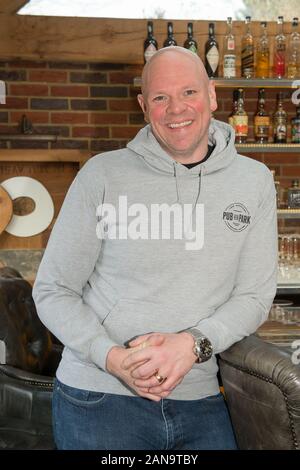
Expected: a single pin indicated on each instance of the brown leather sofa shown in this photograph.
(262, 389)
(28, 360)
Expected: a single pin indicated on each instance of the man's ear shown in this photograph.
(141, 102)
(212, 96)
(143, 106)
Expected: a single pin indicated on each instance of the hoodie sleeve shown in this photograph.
(67, 264)
(256, 280)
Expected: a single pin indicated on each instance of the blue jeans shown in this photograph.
(86, 420)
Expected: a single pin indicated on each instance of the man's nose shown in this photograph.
(176, 105)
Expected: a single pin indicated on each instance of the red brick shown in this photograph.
(15, 103)
(36, 118)
(13, 75)
(3, 116)
(124, 105)
(6, 129)
(70, 90)
(291, 171)
(107, 145)
(108, 118)
(69, 144)
(281, 159)
(29, 90)
(90, 132)
(28, 144)
(27, 64)
(69, 118)
(48, 76)
(49, 103)
(122, 77)
(124, 132)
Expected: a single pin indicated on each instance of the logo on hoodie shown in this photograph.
(236, 217)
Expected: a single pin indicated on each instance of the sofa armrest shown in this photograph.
(262, 388)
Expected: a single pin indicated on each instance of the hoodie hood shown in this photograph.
(220, 134)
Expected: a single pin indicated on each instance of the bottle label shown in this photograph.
(248, 61)
(231, 44)
(296, 133)
(280, 130)
(261, 126)
(229, 66)
(149, 52)
(213, 58)
(193, 48)
(294, 198)
(240, 124)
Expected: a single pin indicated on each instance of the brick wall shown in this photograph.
(89, 106)
(94, 107)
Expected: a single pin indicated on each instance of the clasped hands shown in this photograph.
(154, 364)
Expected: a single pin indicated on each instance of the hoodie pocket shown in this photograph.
(130, 318)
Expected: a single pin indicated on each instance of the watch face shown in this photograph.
(205, 348)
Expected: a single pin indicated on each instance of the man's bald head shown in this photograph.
(177, 54)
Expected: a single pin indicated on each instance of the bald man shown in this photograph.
(164, 254)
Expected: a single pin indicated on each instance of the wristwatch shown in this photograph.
(202, 349)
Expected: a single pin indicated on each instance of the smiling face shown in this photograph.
(178, 100)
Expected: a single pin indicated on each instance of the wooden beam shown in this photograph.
(11, 6)
(98, 39)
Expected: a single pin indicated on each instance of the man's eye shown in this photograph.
(190, 92)
(159, 98)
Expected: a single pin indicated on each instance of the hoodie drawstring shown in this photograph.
(178, 193)
(199, 189)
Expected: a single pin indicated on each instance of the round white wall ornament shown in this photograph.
(40, 218)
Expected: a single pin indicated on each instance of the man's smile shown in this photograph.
(176, 125)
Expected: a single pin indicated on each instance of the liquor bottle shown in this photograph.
(211, 53)
(261, 119)
(295, 127)
(229, 57)
(248, 51)
(190, 42)
(235, 97)
(170, 41)
(240, 120)
(293, 69)
(294, 195)
(263, 53)
(279, 51)
(280, 122)
(150, 43)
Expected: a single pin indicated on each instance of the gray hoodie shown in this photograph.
(95, 293)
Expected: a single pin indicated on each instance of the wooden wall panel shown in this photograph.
(98, 39)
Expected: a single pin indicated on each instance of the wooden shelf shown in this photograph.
(244, 83)
(257, 83)
(288, 213)
(270, 147)
(43, 137)
(41, 155)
